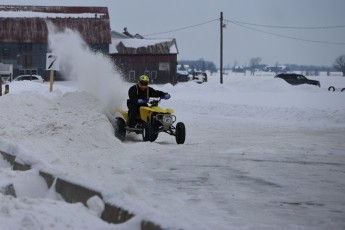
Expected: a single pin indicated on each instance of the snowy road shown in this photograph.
(245, 165)
(259, 153)
(273, 176)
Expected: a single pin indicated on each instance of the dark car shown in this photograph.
(182, 76)
(199, 77)
(297, 79)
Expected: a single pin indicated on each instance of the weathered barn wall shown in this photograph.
(34, 30)
(147, 64)
(24, 33)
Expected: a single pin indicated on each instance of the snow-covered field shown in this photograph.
(259, 153)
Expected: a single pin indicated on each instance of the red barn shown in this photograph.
(24, 33)
(156, 58)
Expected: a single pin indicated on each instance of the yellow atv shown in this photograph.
(152, 121)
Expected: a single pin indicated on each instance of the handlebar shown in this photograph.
(154, 102)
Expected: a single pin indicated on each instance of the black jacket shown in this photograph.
(135, 93)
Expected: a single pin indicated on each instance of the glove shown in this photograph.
(166, 96)
(142, 101)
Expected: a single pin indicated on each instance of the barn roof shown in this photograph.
(143, 46)
(28, 23)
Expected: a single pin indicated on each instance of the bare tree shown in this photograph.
(276, 69)
(235, 64)
(339, 64)
(253, 63)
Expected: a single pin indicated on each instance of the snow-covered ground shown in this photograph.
(259, 153)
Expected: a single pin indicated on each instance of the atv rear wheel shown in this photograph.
(154, 136)
(180, 133)
(149, 133)
(120, 128)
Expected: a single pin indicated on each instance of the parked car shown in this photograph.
(35, 78)
(297, 79)
(199, 77)
(182, 76)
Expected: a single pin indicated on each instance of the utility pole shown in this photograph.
(221, 47)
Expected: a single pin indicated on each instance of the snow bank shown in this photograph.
(259, 153)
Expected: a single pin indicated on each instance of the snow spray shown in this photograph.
(93, 72)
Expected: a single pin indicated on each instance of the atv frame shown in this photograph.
(151, 121)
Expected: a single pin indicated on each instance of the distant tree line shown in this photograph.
(199, 65)
(294, 67)
(339, 64)
(255, 64)
(203, 65)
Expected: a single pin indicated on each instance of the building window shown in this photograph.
(34, 71)
(26, 48)
(147, 73)
(28, 71)
(26, 61)
(164, 66)
(6, 53)
(153, 75)
(132, 76)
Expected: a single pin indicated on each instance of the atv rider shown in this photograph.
(139, 95)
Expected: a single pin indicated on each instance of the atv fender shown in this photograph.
(146, 112)
(123, 113)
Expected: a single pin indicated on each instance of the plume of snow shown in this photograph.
(93, 71)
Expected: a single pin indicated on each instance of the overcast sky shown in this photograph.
(201, 36)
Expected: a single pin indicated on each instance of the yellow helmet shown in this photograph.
(144, 78)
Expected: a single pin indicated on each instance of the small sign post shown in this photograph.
(51, 80)
(52, 65)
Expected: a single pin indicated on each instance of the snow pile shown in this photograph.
(93, 72)
(259, 153)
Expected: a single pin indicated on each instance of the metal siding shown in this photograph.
(140, 63)
(57, 9)
(34, 30)
(27, 38)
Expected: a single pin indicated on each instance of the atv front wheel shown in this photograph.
(149, 133)
(120, 130)
(180, 133)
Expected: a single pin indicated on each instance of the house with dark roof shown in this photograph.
(24, 33)
(276, 69)
(134, 56)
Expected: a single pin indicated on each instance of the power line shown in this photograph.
(183, 28)
(242, 24)
(289, 37)
(287, 27)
